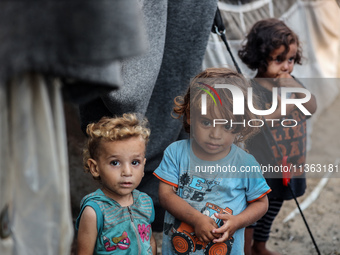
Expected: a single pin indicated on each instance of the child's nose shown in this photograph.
(216, 133)
(285, 66)
(127, 171)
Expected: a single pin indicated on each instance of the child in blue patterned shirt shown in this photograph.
(208, 195)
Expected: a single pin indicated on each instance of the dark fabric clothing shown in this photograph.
(290, 140)
(140, 73)
(81, 40)
(263, 226)
(178, 32)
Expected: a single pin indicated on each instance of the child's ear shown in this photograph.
(93, 167)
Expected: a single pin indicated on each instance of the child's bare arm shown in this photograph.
(87, 232)
(231, 223)
(180, 209)
(276, 115)
(288, 81)
(153, 244)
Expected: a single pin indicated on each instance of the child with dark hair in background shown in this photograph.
(116, 218)
(207, 210)
(273, 49)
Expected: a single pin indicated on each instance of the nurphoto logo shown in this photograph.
(239, 103)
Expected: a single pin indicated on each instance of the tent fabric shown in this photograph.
(34, 168)
(317, 24)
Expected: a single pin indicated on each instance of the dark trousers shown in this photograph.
(263, 226)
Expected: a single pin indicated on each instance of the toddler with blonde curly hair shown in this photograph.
(116, 216)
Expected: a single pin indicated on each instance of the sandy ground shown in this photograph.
(292, 237)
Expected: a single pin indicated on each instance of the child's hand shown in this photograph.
(286, 80)
(284, 75)
(227, 230)
(289, 107)
(204, 227)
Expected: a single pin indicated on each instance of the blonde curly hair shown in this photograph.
(113, 129)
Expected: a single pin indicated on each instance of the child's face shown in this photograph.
(278, 66)
(210, 143)
(120, 166)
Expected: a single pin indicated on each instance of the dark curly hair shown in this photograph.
(264, 37)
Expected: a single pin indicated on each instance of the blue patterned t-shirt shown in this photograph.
(223, 186)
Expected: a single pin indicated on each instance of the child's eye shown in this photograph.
(206, 123)
(291, 60)
(135, 162)
(228, 127)
(114, 163)
(278, 60)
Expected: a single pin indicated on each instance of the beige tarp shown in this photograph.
(34, 185)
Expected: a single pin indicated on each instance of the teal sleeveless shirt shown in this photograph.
(123, 230)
